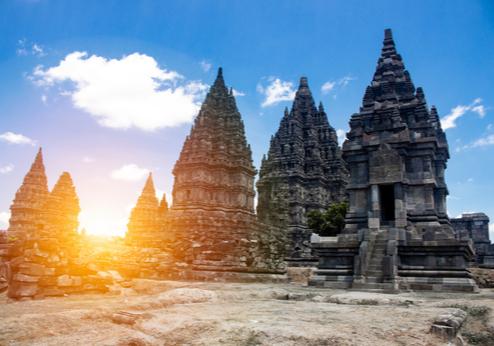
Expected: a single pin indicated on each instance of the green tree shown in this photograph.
(329, 222)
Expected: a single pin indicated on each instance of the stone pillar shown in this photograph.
(400, 207)
(375, 212)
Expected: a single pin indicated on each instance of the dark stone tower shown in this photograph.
(303, 171)
(215, 169)
(212, 216)
(397, 232)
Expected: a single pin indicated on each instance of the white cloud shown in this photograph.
(484, 141)
(4, 219)
(276, 91)
(6, 169)
(237, 93)
(130, 172)
(37, 50)
(341, 135)
(327, 87)
(491, 232)
(330, 86)
(16, 138)
(344, 81)
(123, 93)
(206, 66)
(24, 48)
(449, 121)
(44, 98)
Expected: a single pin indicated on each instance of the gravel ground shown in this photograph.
(185, 313)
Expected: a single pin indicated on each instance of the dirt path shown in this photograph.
(179, 313)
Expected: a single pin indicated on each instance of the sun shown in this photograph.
(102, 223)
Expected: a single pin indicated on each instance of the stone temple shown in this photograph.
(303, 171)
(475, 226)
(147, 219)
(397, 232)
(212, 218)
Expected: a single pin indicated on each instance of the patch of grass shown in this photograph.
(368, 302)
(476, 311)
(481, 339)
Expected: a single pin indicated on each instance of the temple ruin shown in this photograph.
(303, 171)
(475, 227)
(146, 227)
(397, 233)
(217, 233)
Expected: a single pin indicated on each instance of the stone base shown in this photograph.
(332, 278)
(438, 284)
(223, 276)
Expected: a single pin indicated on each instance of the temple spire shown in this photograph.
(149, 186)
(219, 82)
(389, 48)
(30, 199)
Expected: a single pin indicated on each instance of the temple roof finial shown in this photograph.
(389, 48)
(219, 82)
(304, 83)
(321, 107)
(388, 34)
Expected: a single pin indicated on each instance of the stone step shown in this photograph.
(374, 267)
(373, 286)
(374, 273)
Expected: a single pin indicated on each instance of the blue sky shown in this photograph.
(108, 88)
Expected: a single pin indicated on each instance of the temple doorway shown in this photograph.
(387, 203)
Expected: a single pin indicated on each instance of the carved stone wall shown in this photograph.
(303, 171)
(397, 227)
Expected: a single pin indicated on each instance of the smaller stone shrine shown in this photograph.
(40, 256)
(397, 233)
(146, 227)
(475, 226)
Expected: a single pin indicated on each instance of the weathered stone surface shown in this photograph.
(475, 227)
(447, 325)
(29, 201)
(303, 171)
(212, 217)
(43, 243)
(147, 221)
(397, 232)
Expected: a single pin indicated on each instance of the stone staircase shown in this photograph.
(373, 278)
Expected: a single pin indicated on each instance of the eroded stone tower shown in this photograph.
(212, 216)
(146, 225)
(303, 171)
(397, 232)
(27, 207)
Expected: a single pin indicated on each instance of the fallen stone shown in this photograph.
(447, 325)
(25, 278)
(123, 317)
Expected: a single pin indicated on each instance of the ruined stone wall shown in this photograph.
(475, 227)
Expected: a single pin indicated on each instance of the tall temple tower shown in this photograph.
(215, 169)
(303, 171)
(212, 216)
(397, 232)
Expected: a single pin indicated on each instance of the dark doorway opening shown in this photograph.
(387, 203)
